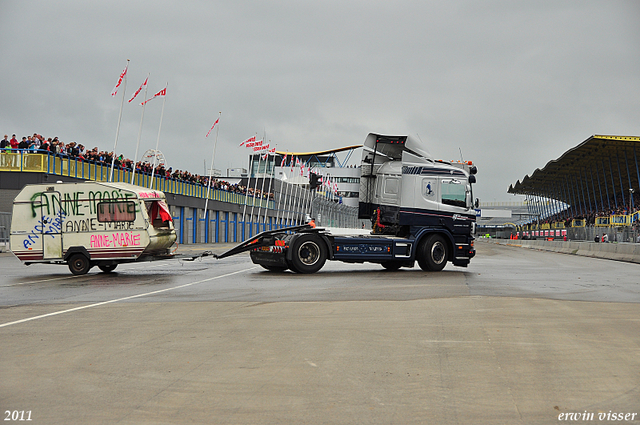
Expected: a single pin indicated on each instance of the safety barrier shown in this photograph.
(613, 251)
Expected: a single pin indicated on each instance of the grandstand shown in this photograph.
(592, 189)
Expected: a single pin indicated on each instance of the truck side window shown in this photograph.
(454, 193)
(116, 211)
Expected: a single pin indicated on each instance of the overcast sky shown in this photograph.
(511, 84)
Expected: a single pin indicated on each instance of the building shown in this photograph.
(294, 167)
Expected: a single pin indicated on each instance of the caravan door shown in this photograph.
(51, 216)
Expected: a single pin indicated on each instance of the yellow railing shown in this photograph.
(620, 220)
(603, 221)
(578, 222)
(67, 167)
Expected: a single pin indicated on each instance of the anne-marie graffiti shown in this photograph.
(47, 225)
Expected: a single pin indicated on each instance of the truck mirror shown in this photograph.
(476, 204)
(472, 179)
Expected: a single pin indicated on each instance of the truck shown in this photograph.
(90, 224)
(422, 210)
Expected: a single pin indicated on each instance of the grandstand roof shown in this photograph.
(330, 151)
(599, 169)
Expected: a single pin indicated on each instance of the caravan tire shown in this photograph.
(308, 254)
(433, 253)
(79, 264)
(108, 268)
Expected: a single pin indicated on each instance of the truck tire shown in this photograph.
(107, 268)
(308, 254)
(433, 253)
(79, 264)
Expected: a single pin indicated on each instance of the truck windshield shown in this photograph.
(454, 193)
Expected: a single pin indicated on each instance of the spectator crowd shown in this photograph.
(53, 146)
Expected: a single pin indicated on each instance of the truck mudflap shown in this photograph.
(463, 253)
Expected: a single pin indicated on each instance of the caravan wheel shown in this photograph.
(79, 264)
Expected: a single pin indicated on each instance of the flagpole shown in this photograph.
(135, 158)
(246, 194)
(213, 155)
(115, 145)
(155, 156)
(266, 167)
(273, 173)
(255, 183)
(280, 195)
(293, 200)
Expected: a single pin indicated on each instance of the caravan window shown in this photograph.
(454, 193)
(116, 211)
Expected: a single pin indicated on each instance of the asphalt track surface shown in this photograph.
(519, 337)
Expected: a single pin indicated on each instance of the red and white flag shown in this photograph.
(284, 160)
(269, 152)
(161, 93)
(139, 90)
(124, 73)
(248, 141)
(214, 124)
(261, 147)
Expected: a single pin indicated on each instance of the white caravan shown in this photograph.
(90, 224)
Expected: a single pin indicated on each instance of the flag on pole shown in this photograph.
(284, 160)
(122, 75)
(268, 152)
(161, 93)
(261, 147)
(214, 124)
(249, 140)
(139, 90)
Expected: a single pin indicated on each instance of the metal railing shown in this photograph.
(327, 212)
(27, 162)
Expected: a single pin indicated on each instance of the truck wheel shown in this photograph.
(79, 264)
(391, 265)
(308, 254)
(433, 253)
(108, 268)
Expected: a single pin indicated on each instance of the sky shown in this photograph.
(509, 85)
